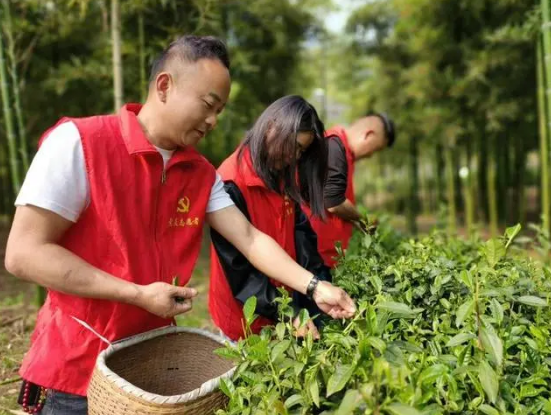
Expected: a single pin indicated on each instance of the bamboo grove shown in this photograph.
(467, 81)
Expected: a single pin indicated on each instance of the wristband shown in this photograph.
(312, 285)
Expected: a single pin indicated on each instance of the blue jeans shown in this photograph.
(60, 403)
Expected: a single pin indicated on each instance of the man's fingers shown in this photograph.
(184, 307)
(347, 303)
(184, 292)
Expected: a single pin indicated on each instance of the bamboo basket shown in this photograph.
(168, 371)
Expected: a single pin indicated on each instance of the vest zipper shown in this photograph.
(159, 253)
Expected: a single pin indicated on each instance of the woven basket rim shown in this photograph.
(206, 388)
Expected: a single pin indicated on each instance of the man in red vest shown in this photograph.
(362, 139)
(112, 209)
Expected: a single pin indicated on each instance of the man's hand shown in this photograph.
(303, 331)
(333, 301)
(165, 300)
(346, 211)
(364, 226)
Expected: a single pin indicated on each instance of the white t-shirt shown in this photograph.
(57, 178)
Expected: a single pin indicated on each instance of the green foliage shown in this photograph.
(444, 326)
(444, 70)
(63, 50)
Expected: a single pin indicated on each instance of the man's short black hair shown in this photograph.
(191, 49)
(390, 129)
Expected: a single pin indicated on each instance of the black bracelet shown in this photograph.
(312, 287)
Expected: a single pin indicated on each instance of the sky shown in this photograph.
(336, 20)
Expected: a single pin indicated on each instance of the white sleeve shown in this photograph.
(57, 179)
(219, 199)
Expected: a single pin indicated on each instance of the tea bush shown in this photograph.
(444, 326)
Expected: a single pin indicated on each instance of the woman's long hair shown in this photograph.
(273, 148)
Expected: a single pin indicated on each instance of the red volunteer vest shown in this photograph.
(272, 214)
(335, 229)
(142, 225)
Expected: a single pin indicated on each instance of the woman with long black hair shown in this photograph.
(281, 163)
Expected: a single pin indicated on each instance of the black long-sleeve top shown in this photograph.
(246, 281)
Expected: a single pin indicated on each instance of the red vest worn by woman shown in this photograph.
(272, 214)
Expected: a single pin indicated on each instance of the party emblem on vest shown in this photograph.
(183, 205)
(289, 210)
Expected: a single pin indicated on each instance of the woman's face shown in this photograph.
(304, 139)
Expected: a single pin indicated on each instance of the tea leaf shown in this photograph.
(466, 278)
(351, 401)
(492, 345)
(248, 309)
(280, 330)
(494, 251)
(339, 378)
(279, 349)
(511, 232)
(497, 311)
(464, 311)
(488, 410)
(314, 391)
(488, 380)
(376, 343)
(228, 352)
(532, 301)
(303, 317)
(432, 373)
(400, 309)
(293, 400)
(227, 387)
(401, 409)
(460, 339)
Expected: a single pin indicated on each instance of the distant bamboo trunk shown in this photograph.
(15, 171)
(413, 186)
(22, 135)
(544, 148)
(544, 84)
(450, 189)
(143, 70)
(492, 193)
(117, 59)
(5, 187)
(468, 191)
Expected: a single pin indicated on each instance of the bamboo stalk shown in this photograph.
(141, 43)
(413, 186)
(8, 119)
(5, 186)
(450, 189)
(544, 102)
(117, 59)
(468, 193)
(22, 136)
(492, 193)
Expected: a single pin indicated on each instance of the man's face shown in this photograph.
(194, 98)
(374, 139)
(374, 143)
